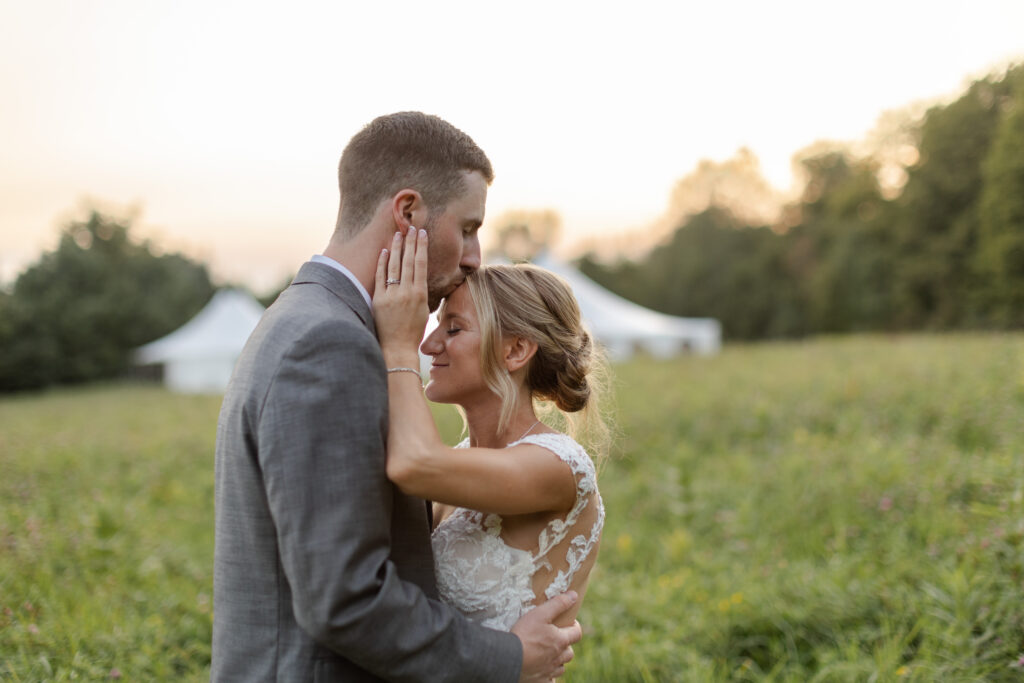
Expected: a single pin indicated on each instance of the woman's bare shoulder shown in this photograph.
(441, 512)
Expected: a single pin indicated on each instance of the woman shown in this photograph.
(518, 516)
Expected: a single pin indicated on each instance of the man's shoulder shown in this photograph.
(311, 308)
(306, 321)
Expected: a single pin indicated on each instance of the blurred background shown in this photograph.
(786, 169)
(823, 202)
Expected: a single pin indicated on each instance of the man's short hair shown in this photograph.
(404, 150)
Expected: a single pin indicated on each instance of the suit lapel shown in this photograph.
(340, 286)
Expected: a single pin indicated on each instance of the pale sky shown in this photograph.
(222, 122)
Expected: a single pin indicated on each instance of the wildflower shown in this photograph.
(885, 504)
(624, 543)
(672, 581)
(903, 670)
(115, 673)
(33, 629)
(679, 542)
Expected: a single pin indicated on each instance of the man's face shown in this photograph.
(454, 247)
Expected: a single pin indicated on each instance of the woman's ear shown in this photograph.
(518, 352)
(407, 209)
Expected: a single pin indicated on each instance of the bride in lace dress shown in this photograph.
(518, 516)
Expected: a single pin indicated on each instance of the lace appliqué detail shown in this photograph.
(491, 582)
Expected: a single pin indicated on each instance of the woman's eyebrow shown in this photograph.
(452, 316)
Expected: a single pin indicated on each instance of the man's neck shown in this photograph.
(359, 254)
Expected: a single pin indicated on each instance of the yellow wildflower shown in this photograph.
(624, 543)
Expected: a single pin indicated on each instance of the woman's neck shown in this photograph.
(482, 420)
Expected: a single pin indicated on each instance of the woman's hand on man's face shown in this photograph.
(400, 297)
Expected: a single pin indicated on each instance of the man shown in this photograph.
(323, 569)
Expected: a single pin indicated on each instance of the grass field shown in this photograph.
(845, 509)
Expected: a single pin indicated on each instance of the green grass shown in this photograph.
(106, 525)
(846, 509)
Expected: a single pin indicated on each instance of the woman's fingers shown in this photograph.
(409, 256)
(420, 276)
(395, 262)
(382, 269)
(405, 263)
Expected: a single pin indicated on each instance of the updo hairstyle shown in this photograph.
(567, 370)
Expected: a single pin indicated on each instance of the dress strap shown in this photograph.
(571, 453)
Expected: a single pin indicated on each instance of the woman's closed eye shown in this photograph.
(452, 331)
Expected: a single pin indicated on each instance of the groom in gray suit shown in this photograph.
(323, 569)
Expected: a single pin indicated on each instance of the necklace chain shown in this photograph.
(528, 431)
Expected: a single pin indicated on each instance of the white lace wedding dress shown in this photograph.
(493, 583)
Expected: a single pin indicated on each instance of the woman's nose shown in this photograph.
(431, 346)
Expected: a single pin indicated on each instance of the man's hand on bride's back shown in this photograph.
(547, 648)
(400, 295)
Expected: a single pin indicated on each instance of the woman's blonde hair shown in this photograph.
(568, 370)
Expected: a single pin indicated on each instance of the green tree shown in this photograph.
(77, 313)
(713, 266)
(937, 222)
(947, 253)
(840, 251)
(999, 260)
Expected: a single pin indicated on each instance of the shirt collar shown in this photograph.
(328, 261)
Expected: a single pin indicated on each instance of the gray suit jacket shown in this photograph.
(323, 569)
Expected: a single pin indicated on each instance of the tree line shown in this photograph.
(946, 253)
(77, 313)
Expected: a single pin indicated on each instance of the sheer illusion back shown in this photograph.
(493, 583)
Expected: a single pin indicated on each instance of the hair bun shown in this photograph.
(573, 399)
(572, 389)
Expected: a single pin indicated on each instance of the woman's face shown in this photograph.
(454, 346)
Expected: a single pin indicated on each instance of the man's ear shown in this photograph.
(518, 352)
(407, 208)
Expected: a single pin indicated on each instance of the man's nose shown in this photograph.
(470, 254)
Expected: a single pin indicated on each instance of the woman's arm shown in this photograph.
(518, 480)
(509, 481)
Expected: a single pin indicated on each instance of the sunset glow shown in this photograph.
(222, 122)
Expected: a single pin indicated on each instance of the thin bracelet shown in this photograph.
(403, 369)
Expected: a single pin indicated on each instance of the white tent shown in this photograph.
(624, 327)
(199, 356)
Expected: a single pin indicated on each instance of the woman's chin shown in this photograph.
(434, 393)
